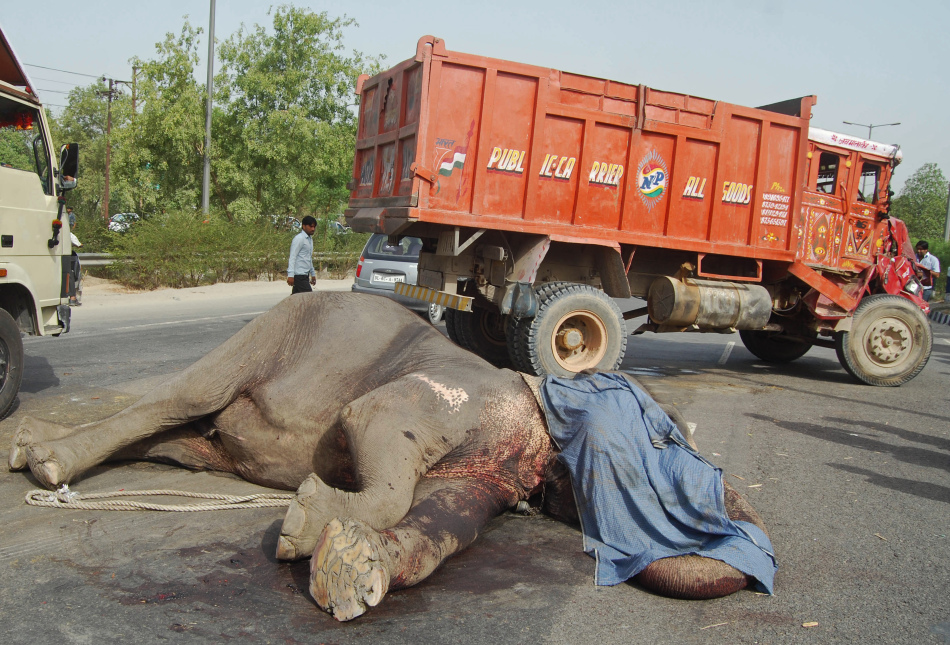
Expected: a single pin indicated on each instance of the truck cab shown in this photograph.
(34, 240)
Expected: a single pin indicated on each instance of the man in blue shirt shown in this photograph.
(928, 268)
(300, 267)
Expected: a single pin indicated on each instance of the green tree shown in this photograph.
(84, 122)
(166, 139)
(285, 129)
(922, 203)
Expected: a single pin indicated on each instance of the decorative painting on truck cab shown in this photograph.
(652, 175)
(858, 239)
(822, 237)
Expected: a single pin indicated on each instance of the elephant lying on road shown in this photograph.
(401, 445)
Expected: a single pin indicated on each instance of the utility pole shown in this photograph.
(135, 71)
(109, 94)
(870, 127)
(206, 180)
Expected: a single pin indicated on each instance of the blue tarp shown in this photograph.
(642, 492)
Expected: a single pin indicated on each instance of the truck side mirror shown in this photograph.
(69, 165)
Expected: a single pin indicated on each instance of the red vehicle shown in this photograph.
(540, 195)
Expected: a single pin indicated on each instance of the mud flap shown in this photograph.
(520, 301)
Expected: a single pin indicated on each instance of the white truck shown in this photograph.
(36, 262)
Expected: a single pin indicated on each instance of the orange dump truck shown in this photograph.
(540, 195)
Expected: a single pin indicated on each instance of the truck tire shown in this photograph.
(771, 347)
(889, 343)
(480, 331)
(577, 327)
(449, 317)
(11, 362)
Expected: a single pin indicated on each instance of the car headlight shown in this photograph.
(913, 286)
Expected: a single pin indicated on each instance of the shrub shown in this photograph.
(184, 250)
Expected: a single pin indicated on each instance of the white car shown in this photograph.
(120, 222)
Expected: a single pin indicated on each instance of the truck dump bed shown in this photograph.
(453, 138)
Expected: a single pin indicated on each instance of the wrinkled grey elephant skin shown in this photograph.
(401, 445)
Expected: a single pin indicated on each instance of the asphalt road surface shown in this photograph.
(852, 482)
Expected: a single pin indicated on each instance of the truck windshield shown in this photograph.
(22, 146)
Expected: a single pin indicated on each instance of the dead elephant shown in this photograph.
(401, 445)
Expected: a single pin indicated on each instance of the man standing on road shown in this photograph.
(300, 271)
(928, 268)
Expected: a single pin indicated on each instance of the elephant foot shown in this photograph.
(29, 432)
(691, 577)
(49, 464)
(303, 523)
(349, 572)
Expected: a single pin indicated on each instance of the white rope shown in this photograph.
(65, 498)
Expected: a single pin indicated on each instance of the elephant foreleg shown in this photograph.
(396, 433)
(353, 565)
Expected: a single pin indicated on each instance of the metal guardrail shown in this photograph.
(105, 259)
(95, 259)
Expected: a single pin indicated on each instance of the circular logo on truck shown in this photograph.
(653, 176)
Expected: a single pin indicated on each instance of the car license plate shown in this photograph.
(384, 277)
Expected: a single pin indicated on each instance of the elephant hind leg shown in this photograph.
(184, 446)
(693, 577)
(32, 431)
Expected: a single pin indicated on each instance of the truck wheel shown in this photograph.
(889, 342)
(435, 313)
(11, 362)
(480, 331)
(577, 327)
(771, 347)
(449, 317)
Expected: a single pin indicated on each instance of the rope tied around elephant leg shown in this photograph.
(68, 499)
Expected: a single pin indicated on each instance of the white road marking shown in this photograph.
(946, 340)
(191, 320)
(726, 352)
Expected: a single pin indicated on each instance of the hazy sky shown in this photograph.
(869, 61)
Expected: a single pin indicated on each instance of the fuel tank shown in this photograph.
(708, 304)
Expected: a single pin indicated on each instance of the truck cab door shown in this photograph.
(824, 207)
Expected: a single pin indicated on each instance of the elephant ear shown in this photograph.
(693, 577)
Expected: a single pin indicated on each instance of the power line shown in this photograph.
(43, 89)
(53, 80)
(64, 71)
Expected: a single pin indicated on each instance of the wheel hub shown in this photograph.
(570, 339)
(579, 341)
(888, 340)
